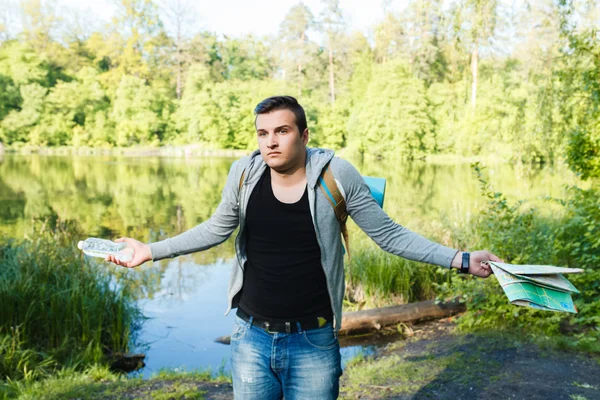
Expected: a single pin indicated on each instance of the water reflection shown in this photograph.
(186, 316)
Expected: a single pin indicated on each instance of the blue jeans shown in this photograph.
(267, 366)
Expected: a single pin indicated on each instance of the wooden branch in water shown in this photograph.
(374, 319)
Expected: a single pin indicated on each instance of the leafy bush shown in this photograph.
(569, 238)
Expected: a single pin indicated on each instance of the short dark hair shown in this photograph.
(283, 103)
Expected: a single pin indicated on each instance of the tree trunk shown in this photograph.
(178, 89)
(331, 76)
(299, 79)
(375, 319)
(300, 66)
(474, 73)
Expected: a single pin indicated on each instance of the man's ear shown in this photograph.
(305, 136)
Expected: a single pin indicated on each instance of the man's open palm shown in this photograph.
(141, 253)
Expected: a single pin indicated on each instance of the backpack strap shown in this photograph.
(242, 180)
(332, 193)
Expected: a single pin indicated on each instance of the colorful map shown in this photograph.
(540, 288)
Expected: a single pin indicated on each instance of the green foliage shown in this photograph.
(577, 244)
(567, 237)
(220, 114)
(248, 59)
(22, 125)
(327, 125)
(407, 95)
(581, 82)
(22, 64)
(584, 150)
(390, 123)
(518, 233)
(10, 98)
(57, 309)
(133, 112)
(20, 362)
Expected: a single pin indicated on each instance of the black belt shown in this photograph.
(282, 326)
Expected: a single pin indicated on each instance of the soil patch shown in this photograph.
(437, 363)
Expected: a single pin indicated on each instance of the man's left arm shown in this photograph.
(393, 237)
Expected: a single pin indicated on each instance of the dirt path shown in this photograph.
(439, 364)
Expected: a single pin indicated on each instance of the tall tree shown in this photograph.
(180, 15)
(293, 33)
(40, 21)
(332, 25)
(477, 20)
(422, 21)
(389, 35)
(131, 43)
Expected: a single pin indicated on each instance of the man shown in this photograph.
(288, 278)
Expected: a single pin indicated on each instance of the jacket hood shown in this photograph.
(316, 160)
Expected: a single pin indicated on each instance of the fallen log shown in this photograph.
(373, 320)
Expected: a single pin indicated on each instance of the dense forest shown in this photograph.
(518, 80)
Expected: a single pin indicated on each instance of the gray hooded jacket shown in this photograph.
(360, 205)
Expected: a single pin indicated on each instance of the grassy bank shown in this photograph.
(98, 382)
(58, 311)
(435, 362)
(380, 279)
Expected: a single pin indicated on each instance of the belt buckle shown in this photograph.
(288, 328)
(267, 325)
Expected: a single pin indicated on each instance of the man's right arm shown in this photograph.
(211, 232)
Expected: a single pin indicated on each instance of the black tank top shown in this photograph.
(283, 277)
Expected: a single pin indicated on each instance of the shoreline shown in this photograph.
(197, 150)
(138, 151)
(429, 360)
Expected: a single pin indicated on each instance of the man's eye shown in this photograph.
(284, 131)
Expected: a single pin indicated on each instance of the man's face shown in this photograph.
(281, 144)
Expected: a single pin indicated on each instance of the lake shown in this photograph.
(152, 198)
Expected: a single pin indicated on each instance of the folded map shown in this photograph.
(538, 286)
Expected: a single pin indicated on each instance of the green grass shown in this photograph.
(393, 375)
(98, 382)
(381, 279)
(205, 375)
(57, 309)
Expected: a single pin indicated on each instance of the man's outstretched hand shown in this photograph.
(477, 266)
(141, 253)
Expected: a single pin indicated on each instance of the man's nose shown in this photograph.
(272, 140)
